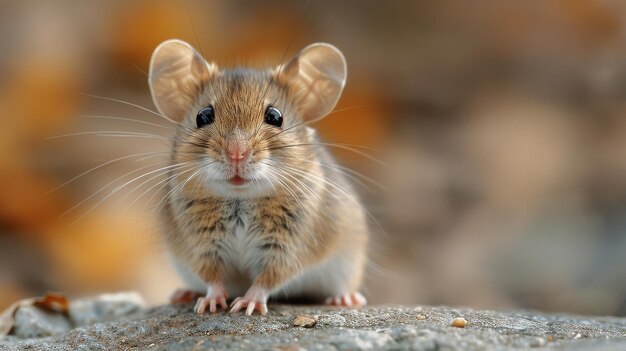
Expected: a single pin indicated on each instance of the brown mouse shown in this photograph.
(256, 206)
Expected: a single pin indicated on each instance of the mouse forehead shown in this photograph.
(239, 96)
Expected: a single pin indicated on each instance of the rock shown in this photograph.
(32, 322)
(370, 328)
(459, 322)
(305, 321)
(333, 320)
(103, 308)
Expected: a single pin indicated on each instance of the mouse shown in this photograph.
(257, 208)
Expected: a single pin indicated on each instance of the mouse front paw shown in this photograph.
(216, 294)
(254, 299)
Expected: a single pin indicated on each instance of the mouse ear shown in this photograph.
(177, 75)
(315, 77)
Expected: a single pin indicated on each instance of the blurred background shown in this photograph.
(502, 124)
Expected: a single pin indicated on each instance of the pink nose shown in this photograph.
(236, 152)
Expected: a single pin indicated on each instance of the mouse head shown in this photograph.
(243, 132)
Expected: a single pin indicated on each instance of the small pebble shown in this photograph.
(421, 316)
(459, 322)
(305, 321)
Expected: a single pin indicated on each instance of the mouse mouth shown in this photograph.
(237, 180)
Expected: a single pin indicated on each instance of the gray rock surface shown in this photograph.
(106, 307)
(32, 322)
(371, 328)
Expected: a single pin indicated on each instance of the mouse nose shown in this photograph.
(236, 152)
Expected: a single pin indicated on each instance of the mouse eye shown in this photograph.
(205, 116)
(273, 116)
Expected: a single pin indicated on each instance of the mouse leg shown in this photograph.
(210, 267)
(347, 300)
(181, 296)
(276, 271)
(215, 294)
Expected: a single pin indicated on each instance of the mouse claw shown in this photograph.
(254, 300)
(201, 304)
(250, 308)
(216, 294)
(235, 301)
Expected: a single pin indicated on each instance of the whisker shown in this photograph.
(341, 146)
(111, 133)
(281, 180)
(169, 194)
(304, 123)
(347, 171)
(126, 119)
(371, 218)
(282, 175)
(141, 70)
(326, 181)
(302, 185)
(127, 134)
(347, 145)
(130, 104)
(315, 29)
(177, 167)
(114, 191)
(137, 106)
(164, 181)
(282, 58)
(179, 186)
(149, 154)
(102, 189)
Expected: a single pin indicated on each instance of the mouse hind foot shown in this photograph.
(182, 296)
(347, 300)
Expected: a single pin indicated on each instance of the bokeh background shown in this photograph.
(502, 125)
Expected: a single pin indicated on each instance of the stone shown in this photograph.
(370, 328)
(33, 322)
(459, 322)
(305, 321)
(103, 308)
(332, 319)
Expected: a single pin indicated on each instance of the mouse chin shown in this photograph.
(237, 181)
(238, 187)
(251, 183)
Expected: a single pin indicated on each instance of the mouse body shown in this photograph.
(256, 206)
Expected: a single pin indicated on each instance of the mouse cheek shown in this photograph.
(213, 151)
(260, 155)
(258, 152)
